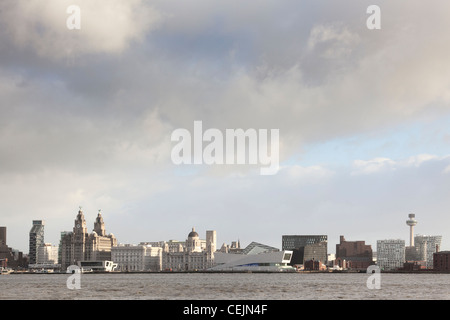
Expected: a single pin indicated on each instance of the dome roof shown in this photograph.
(192, 234)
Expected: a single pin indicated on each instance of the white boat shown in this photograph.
(5, 270)
(44, 271)
(97, 266)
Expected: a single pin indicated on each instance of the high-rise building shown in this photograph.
(306, 247)
(425, 247)
(390, 254)
(211, 240)
(36, 240)
(47, 254)
(79, 245)
(10, 257)
(3, 236)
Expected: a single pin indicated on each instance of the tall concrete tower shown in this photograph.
(411, 222)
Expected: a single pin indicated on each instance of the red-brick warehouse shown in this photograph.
(353, 254)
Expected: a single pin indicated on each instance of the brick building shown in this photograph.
(441, 261)
(353, 254)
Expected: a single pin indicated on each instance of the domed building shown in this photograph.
(195, 254)
(193, 243)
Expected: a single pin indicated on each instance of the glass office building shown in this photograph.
(36, 240)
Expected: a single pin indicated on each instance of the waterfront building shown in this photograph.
(211, 240)
(195, 254)
(412, 254)
(60, 247)
(441, 261)
(306, 247)
(36, 240)
(425, 247)
(79, 245)
(411, 266)
(256, 247)
(129, 257)
(353, 254)
(234, 247)
(47, 253)
(390, 254)
(255, 257)
(9, 257)
(137, 257)
(2, 236)
(423, 250)
(314, 265)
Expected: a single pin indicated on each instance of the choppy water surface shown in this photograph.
(225, 286)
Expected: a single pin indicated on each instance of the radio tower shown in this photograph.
(411, 222)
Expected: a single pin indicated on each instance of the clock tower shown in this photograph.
(79, 237)
(80, 223)
(80, 245)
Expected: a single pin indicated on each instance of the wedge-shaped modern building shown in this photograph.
(256, 257)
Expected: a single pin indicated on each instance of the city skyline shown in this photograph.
(362, 117)
(330, 247)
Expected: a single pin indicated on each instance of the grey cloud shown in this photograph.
(105, 114)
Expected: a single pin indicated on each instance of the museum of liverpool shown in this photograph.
(255, 257)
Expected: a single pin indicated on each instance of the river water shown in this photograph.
(238, 286)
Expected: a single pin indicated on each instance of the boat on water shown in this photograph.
(5, 271)
(44, 271)
(92, 267)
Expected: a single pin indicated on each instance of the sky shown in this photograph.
(86, 117)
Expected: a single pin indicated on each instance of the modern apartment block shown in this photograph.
(36, 240)
(426, 246)
(390, 254)
(306, 247)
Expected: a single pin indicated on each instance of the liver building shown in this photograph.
(80, 245)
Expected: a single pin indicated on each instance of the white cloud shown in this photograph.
(305, 175)
(447, 169)
(373, 166)
(379, 165)
(420, 159)
(106, 26)
(332, 41)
